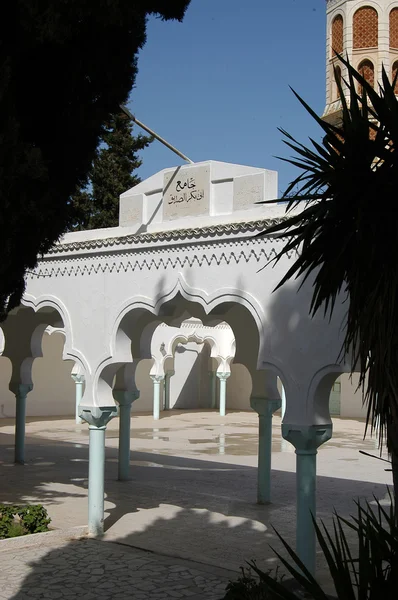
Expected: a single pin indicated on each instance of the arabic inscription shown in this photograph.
(186, 193)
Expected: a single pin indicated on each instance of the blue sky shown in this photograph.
(217, 85)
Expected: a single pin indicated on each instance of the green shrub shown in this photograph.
(16, 530)
(21, 520)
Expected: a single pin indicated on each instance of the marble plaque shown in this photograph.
(248, 189)
(131, 210)
(186, 192)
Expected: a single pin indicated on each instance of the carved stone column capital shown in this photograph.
(98, 416)
(223, 376)
(307, 438)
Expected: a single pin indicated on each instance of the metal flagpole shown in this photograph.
(155, 135)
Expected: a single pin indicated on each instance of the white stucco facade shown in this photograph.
(188, 247)
(110, 289)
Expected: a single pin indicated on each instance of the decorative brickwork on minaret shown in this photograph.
(367, 33)
(338, 34)
(365, 28)
(394, 28)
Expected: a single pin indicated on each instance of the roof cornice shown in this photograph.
(160, 237)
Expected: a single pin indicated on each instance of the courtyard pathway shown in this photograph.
(57, 567)
(192, 496)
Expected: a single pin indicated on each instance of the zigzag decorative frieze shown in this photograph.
(259, 255)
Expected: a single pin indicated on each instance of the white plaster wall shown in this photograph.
(239, 387)
(53, 391)
(351, 398)
(7, 399)
(145, 385)
(191, 373)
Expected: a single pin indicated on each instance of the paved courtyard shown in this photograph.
(66, 568)
(191, 497)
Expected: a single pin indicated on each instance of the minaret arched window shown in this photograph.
(366, 28)
(394, 74)
(337, 78)
(394, 28)
(337, 35)
(367, 70)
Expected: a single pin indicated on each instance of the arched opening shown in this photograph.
(394, 76)
(365, 28)
(337, 79)
(394, 29)
(367, 70)
(134, 342)
(337, 35)
(190, 358)
(36, 378)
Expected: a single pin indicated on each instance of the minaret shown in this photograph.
(366, 32)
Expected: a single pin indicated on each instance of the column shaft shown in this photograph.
(156, 400)
(306, 439)
(167, 391)
(124, 441)
(306, 507)
(265, 408)
(264, 459)
(223, 397)
(96, 476)
(20, 419)
(79, 396)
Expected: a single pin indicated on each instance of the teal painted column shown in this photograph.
(79, 383)
(223, 392)
(306, 439)
(20, 420)
(265, 409)
(213, 389)
(157, 379)
(97, 418)
(124, 400)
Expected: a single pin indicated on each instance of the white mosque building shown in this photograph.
(175, 309)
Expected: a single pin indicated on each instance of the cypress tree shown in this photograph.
(96, 204)
(65, 68)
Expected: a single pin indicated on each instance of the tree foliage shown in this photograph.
(347, 235)
(65, 68)
(96, 204)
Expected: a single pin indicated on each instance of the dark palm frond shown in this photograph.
(361, 554)
(343, 224)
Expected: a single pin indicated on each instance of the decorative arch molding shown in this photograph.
(69, 351)
(278, 369)
(319, 392)
(207, 301)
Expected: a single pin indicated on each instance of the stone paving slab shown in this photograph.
(65, 568)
